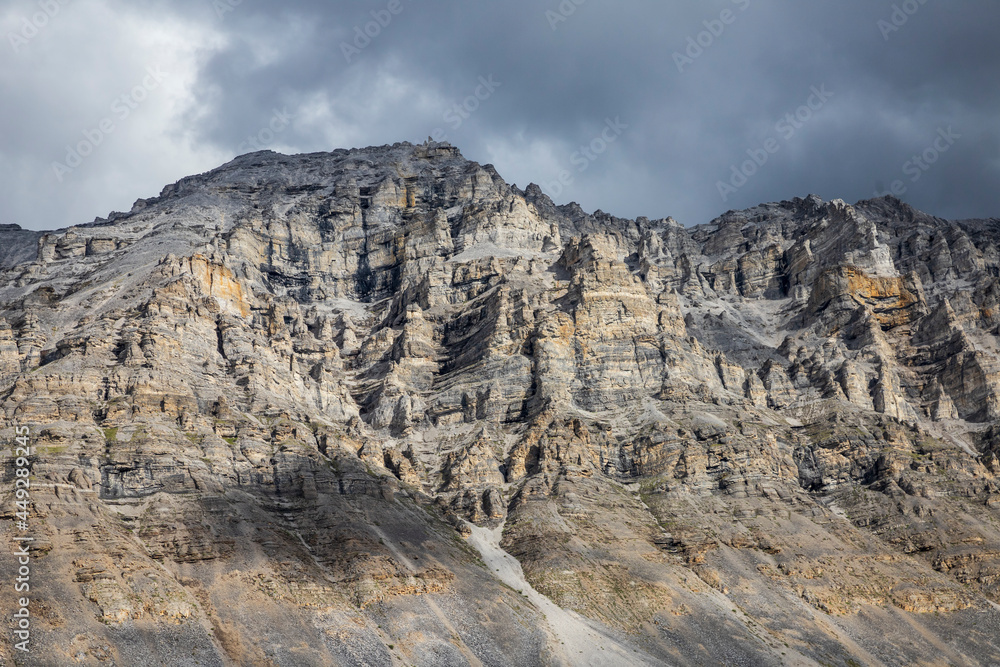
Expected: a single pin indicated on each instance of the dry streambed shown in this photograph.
(578, 641)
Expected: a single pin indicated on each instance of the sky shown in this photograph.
(650, 108)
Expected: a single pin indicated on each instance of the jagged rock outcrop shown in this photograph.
(266, 402)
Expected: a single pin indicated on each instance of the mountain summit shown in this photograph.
(379, 407)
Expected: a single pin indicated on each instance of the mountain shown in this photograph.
(379, 407)
(19, 245)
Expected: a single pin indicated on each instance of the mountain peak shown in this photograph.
(345, 405)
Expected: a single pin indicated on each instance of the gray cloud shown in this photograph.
(232, 72)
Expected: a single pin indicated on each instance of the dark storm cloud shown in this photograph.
(637, 108)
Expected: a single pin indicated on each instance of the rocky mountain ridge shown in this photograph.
(267, 403)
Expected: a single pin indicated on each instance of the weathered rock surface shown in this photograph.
(265, 403)
(17, 245)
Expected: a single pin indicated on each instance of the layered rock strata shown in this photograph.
(266, 402)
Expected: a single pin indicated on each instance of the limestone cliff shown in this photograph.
(266, 403)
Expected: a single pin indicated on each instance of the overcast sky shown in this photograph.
(637, 107)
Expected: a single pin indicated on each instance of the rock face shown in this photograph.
(266, 402)
(17, 245)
